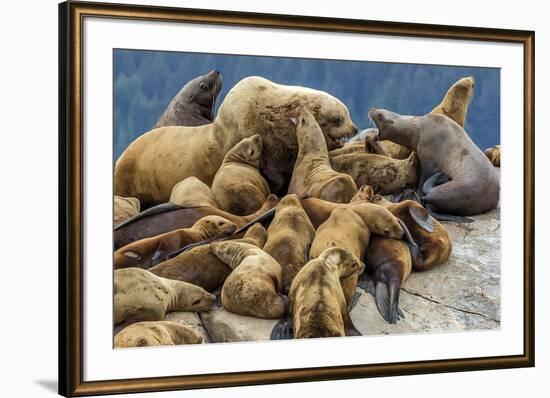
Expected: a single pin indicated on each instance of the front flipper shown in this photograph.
(387, 301)
(264, 217)
(446, 217)
(367, 283)
(407, 237)
(159, 209)
(406, 194)
(422, 217)
(282, 330)
(434, 181)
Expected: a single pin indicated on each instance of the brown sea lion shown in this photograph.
(200, 267)
(141, 296)
(192, 192)
(317, 303)
(312, 176)
(289, 238)
(384, 174)
(455, 103)
(147, 252)
(493, 154)
(158, 333)
(253, 286)
(238, 186)
(124, 208)
(386, 147)
(168, 217)
(150, 167)
(194, 104)
(462, 180)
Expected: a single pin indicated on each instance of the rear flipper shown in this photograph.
(434, 212)
(367, 284)
(282, 330)
(435, 180)
(387, 302)
(406, 194)
(354, 301)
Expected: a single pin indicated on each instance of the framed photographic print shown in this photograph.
(251, 198)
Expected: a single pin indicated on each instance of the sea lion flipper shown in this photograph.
(435, 180)
(446, 217)
(282, 330)
(367, 284)
(162, 208)
(407, 234)
(406, 194)
(387, 301)
(264, 217)
(422, 217)
(354, 301)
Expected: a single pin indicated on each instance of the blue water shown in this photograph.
(146, 81)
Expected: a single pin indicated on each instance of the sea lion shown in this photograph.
(493, 154)
(194, 104)
(192, 192)
(289, 238)
(455, 103)
(317, 303)
(147, 252)
(141, 296)
(150, 167)
(149, 334)
(168, 217)
(312, 176)
(384, 174)
(124, 208)
(350, 228)
(253, 287)
(444, 148)
(200, 267)
(386, 147)
(238, 186)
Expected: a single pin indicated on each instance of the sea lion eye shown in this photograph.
(196, 302)
(220, 222)
(337, 120)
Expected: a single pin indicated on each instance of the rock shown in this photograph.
(191, 320)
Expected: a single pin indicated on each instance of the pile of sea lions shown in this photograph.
(198, 217)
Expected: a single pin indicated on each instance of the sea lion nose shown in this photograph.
(354, 129)
(215, 72)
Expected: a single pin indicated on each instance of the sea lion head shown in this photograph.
(379, 200)
(193, 298)
(258, 233)
(290, 199)
(247, 151)
(215, 226)
(462, 90)
(364, 194)
(387, 225)
(342, 260)
(203, 91)
(392, 126)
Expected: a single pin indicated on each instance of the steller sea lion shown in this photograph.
(384, 174)
(493, 154)
(238, 186)
(455, 103)
(168, 217)
(253, 286)
(289, 238)
(317, 303)
(194, 104)
(151, 165)
(312, 176)
(141, 296)
(200, 267)
(124, 208)
(147, 252)
(444, 148)
(157, 333)
(192, 192)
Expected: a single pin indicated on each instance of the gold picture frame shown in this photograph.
(71, 16)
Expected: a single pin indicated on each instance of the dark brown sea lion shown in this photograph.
(168, 217)
(194, 104)
(317, 303)
(141, 296)
(384, 174)
(313, 176)
(238, 185)
(124, 209)
(493, 154)
(148, 252)
(254, 286)
(444, 148)
(200, 267)
(150, 167)
(192, 192)
(157, 333)
(289, 238)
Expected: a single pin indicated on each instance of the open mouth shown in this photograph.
(339, 141)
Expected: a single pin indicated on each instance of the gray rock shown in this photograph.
(191, 320)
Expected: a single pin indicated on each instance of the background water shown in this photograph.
(146, 81)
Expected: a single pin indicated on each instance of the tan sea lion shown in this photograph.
(312, 176)
(493, 154)
(150, 167)
(147, 252)
(124, 208)
(238, 186)
(194, 104)
(317, 303)
(456, 177)
(141, 296)
(253, 286)
(455, 103)
(384, 174)
(168, 217)
(192, 192)
(202, 268)
(289, 238)
(158, 333)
